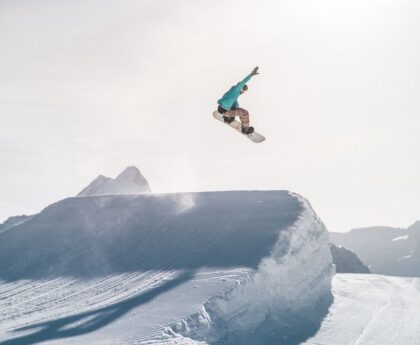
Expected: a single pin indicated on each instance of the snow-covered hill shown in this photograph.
(217, 267)
(130, 181)
(385, 250)
(13, 221)
(346, 261)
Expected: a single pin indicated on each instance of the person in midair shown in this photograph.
(229, 106)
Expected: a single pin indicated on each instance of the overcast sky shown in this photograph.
(89, 87)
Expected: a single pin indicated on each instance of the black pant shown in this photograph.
(221, 110)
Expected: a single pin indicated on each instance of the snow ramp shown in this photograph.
(238, 267)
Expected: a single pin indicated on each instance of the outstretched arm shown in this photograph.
(248, 78)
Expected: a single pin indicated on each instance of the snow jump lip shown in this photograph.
(249, 261)
(114, 234)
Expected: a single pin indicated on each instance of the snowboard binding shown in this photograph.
(248, 130)
(228, 119)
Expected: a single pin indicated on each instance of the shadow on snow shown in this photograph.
(92, 320)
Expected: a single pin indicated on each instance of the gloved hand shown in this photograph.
(255, 71)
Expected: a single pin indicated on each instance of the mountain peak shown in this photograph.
(415, 226)
(101, 178)
(130, 172)
(131, 168)
(129, 181)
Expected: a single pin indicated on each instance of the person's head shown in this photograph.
(244, 89)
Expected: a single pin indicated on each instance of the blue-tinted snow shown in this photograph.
(216, 267)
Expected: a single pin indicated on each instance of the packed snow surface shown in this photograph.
(371, 310)
(196, 268)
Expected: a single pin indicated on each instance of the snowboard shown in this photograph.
(254, 136)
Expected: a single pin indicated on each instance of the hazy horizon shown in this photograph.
(90, 87)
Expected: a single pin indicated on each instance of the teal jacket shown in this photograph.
(230, 98)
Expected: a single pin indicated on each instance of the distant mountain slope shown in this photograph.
(130, 181)
(346, 261)
(13, 221)
(243, 267)
(385, 250)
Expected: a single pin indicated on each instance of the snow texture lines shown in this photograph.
(372, 310)
(127, 269)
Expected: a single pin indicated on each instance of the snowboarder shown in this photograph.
(229, 106)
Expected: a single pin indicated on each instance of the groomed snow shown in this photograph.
(371, 310)
(248, 267)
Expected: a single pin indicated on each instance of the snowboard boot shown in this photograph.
(228, 119)
(247, 130)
